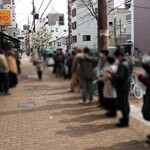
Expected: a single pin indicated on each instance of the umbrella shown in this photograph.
(48, 51)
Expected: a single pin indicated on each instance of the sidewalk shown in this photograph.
(41, 115)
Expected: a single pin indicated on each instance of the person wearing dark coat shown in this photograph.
(123, 80)
(145, 79)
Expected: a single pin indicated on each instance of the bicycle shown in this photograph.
(135, 88)
(95, 87)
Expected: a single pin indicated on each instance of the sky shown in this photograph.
(24, 9)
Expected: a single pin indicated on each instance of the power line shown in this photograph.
(85, 22)
(40, 6)
(141, 7)
(44, 11)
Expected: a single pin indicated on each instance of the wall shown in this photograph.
(142, 25)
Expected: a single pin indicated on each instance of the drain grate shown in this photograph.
(26, 105)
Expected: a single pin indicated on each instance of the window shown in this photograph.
(61, 20)
(50, 43)
(52, 30)
(58, 44)
(74, 25)
(74, 39)
(56, 37)
(110, 23)
(74, 12)
(65, 30)
(86, 38)
(56, 29)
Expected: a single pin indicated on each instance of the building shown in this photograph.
(22, 39)
(122, 29)
(139, 21)
(84, 23)
(55, 23)
(8, 25)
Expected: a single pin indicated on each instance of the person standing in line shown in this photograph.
(39, 67)
(13, 71)
(110, 94)
(4, 77)
(86, 74)
(99, 73)
(145, 79)
(123, 81)
(75, 70)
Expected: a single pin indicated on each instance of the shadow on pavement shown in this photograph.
(74, 131)
(86, 118)
(38, 109)
(77, 112)
(132, 145)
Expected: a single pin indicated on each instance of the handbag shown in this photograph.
(146, 108)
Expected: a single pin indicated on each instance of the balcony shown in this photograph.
(128, 37)
(128, 18)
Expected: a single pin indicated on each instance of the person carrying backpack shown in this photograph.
(86, 74)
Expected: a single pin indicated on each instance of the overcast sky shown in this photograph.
(24, 8)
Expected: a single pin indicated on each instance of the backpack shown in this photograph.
(86, 69)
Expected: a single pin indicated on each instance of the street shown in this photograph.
(42, 115)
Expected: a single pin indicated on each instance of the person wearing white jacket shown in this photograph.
(110, 94)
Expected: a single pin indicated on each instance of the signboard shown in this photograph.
(5, 17)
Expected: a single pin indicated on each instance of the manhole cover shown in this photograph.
(26, 105)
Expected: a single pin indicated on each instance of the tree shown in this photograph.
(40, 39)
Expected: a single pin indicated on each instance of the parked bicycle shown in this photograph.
(135, 88)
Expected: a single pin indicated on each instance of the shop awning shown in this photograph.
(4, 38)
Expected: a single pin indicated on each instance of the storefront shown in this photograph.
(8, 42)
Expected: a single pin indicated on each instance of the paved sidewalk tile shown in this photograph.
(42, 115)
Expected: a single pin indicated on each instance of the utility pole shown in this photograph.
(115, 32)
(103, 35)
(33, 13)
(28, 35)
(120, 31)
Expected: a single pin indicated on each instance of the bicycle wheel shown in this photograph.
(138, 92)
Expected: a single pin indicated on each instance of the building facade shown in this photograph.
(83, 24)
(139, 20)
(55, 24)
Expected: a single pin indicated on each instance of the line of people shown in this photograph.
(9, 70)
(113, 78)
